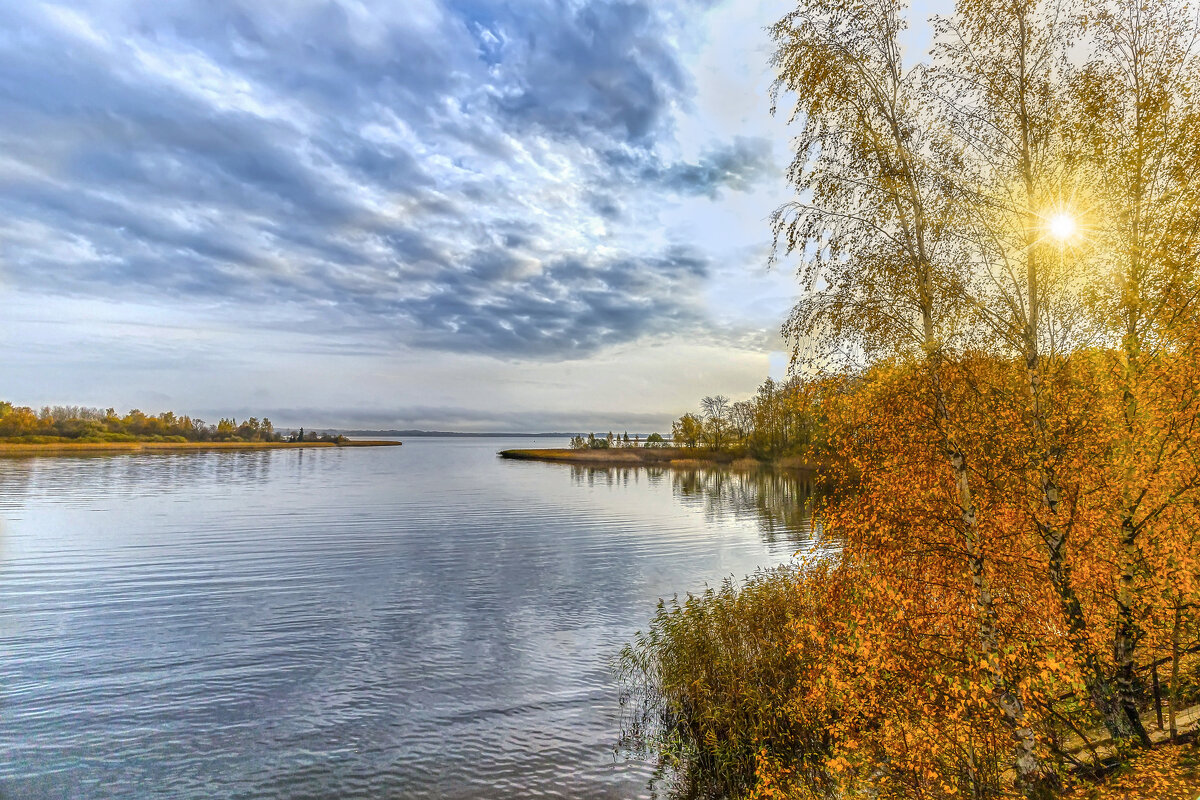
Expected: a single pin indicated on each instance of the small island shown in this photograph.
(76, 429)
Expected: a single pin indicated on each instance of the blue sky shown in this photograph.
(545, 214)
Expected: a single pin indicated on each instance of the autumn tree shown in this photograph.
(714, 412)
(999, 81)
(1136, 102)
(741, 417)
(687, 430)
(880, 271)
(997, 355)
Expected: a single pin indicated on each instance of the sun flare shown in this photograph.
(1062, 226)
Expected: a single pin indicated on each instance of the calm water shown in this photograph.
(415, 622)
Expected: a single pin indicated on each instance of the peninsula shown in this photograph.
(656, 456)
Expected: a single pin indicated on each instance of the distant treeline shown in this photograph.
(411, 432)
(781, 419)
(76, 423)
(594, 442)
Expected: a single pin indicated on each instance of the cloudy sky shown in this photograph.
(452, 214)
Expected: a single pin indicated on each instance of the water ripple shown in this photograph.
(415, 622)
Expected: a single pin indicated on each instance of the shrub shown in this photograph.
(710, 690)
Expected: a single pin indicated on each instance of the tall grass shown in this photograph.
(710, 690)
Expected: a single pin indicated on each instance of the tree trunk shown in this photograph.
(1127, 633)
(1100, 691)
(1173, 691)
(1033, 779)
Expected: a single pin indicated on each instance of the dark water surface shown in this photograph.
(414, 622)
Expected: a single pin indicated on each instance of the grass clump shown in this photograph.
(710, 691)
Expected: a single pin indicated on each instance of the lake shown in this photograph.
(425, 621)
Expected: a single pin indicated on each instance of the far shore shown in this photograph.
(66, 448)
(655, 456)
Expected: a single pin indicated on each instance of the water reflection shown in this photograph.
(778, 501)
(86, 476)
(419, 622)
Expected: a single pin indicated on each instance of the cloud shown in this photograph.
(602, 69)
(738, 166)
(570, 308)
(451, 175)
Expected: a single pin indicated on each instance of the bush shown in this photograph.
(710, 691)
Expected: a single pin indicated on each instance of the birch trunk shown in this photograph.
(1033, 780)
(1173, 692)
(1127, 632)
(1100, 691)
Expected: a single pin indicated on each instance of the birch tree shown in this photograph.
(871, 223)
(1136, 102)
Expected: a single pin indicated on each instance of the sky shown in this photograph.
(517, 215)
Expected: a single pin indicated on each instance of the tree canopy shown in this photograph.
(999, 328)
(80, 424)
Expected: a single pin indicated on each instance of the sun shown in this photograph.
(1062, 226)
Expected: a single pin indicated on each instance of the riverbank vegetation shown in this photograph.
(782, 419)
(779, 420)
(780, 425)
(72, 447)
(79, 426)
(661, 456)
(1000, 341)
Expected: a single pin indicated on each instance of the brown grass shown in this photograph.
(613, 456)
(661, 456)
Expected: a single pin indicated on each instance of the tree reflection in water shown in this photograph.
(779, 501)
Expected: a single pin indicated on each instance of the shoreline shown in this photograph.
(656, 456)
(68, 448)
